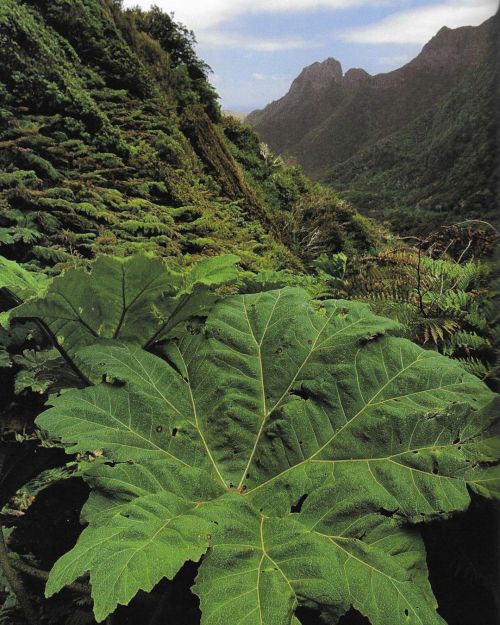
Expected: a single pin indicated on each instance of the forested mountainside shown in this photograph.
(415, 146)
(111, 140)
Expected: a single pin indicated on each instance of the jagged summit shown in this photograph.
(327, 75)
(452, 47)
(319, 75)
(356, 76)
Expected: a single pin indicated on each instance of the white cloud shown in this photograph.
(417, 26)
(213, 39)
(204, 14)
(273, 77)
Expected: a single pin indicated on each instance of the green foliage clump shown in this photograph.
(112, 144)
(109, 139)
(179, 42)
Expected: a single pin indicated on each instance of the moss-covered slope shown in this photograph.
(111, 141)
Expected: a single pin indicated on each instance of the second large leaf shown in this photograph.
(137, 299)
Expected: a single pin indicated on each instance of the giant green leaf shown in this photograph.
(137, 300)
(293, 443)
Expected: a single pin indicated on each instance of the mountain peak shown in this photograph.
(318, 76)
(454, 46)
(326, 117)
(363, 127)
(356, 76)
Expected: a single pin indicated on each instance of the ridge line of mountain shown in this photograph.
(329, 120)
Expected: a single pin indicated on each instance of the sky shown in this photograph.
(257, 47)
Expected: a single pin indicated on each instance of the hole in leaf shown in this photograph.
(307, 616)
(351, 618)
(174, 432)
(407, 613)
(386, 513)
(297, 507)
(302, 393)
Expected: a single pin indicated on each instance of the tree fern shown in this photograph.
(443, 304)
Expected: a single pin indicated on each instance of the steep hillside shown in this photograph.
(111, 141)
(441, 168)
(352, 130)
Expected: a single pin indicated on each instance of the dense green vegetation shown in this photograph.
(111, 141)
(443, 304)
(211, 410)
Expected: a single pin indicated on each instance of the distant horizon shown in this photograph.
(257, 49)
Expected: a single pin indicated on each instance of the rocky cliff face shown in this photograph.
(285, 122)
(328, 116)
(452, 48)
(317, 78)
